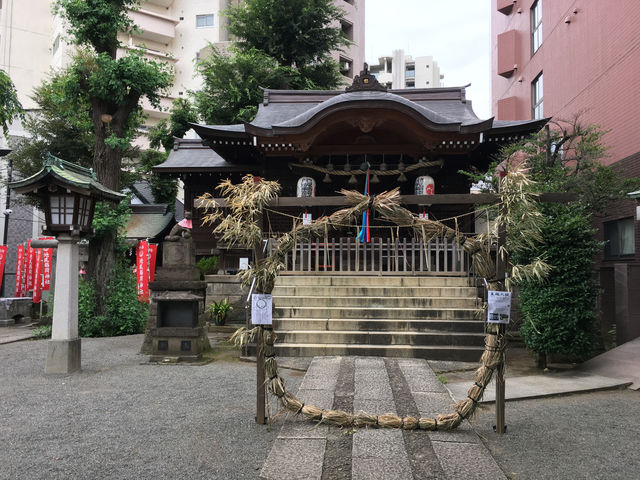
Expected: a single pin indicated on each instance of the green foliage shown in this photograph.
(108, 220)
(61, 126)
(218, 311)
(43, 331)
(208, 265)
(10, 106)
(182, 113)
(280, 45)
(560, 312)
(97, 22)
(568, 158)
(164, 189)
(122, 81)
(296, 33)
(125, 314)
(231, 84)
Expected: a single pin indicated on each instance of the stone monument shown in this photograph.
(176, 326)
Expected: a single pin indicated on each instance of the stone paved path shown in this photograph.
(306, 451)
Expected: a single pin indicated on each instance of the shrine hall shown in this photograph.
(366, 138)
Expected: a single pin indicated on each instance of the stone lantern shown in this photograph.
(67, 193)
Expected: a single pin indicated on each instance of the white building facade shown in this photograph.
(403, 71)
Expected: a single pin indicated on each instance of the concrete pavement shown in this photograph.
(304, 450)
(16, 333)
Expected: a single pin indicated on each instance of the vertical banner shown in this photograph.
(3, 259)
(37, 272)
(19, 259)
(153, 254)
(25, 261)
(30, 259)
(47, 259)
(142, 271)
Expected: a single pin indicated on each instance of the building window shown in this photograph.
(619, 237)
(536, 26)
(537, 98)
(56, 45)
(347, 30)
(346, 67)
(204, 21)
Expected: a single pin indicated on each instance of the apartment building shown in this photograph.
(32, 41)
(403, 71)
(562, 58)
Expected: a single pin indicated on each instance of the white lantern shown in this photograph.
(306, 187)
(425, 185)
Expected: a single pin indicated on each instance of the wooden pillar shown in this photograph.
(500, 331)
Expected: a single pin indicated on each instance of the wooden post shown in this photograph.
(260, 377)
(500, 427)
(260, 394)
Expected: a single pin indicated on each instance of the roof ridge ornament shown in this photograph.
(365, 82)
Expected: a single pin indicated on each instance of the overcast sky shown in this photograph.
(456, 33)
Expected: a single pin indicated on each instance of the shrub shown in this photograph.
(125, 314)
(43, 331)
(208, 265)
(560, 313)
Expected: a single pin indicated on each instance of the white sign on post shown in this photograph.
(261, 308)
(244, 263)
(499, 307)
(307, 219)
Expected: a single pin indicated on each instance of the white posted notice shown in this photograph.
(261, 308)
(499, 307)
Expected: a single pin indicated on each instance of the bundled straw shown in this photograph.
(248, 199)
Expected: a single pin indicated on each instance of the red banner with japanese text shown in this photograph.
(37, 271)
(142, 271)
(47, 263)
(25, 265)
(19, 260)
(30, 258)
(3, 260)
(153, 253)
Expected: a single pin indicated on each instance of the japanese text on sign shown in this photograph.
(261, 307)
(499, 307)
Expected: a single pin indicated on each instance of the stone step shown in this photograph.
(380, 338)
(367, 313)
(373, 281)
(381, 325)
(354, 291)
(376, 302)
(461, 354)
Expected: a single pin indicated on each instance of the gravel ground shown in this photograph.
(124, 418)
(582, 436)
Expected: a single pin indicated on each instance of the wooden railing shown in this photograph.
(380, 256)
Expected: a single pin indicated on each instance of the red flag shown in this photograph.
(30, 259)
(19, 260)
(3, 259)
(37, 281)
(142, 271)
(25, 262)
(153, 253)
(47, 259)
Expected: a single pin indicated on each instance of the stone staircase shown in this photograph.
(424, 317)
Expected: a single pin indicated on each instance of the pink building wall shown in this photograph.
(590, 65)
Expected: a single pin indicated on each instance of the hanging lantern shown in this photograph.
(327, 178)
(352, 180)
(347, 166)
(424, 185)
(306, 187)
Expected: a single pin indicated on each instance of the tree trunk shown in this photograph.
(541, 360)
(107, 164)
